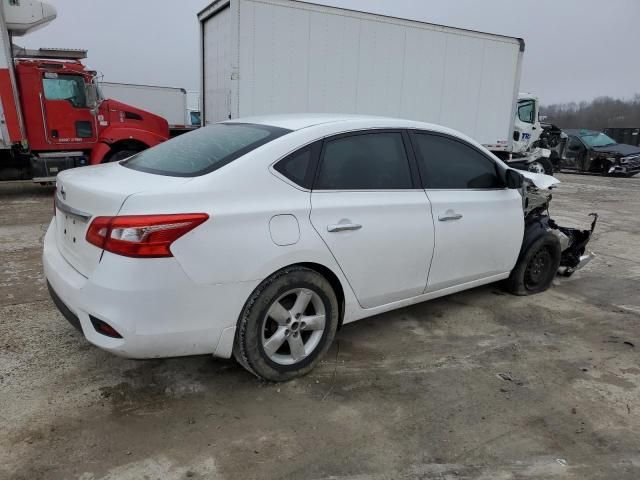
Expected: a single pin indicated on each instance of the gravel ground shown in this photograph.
(478, 385)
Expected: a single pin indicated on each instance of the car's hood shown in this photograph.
(540, 180)
(619, 148)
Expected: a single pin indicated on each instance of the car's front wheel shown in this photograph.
(287, 325)
(536, 267)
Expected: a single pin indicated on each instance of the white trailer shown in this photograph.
(167, 102)
(286, 56)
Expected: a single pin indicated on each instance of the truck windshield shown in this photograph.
(204, 150)
(66, 87)
(598, 140)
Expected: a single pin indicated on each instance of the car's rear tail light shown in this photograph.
(148, 236)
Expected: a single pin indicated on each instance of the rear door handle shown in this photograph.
(450, 218)
(343, 227)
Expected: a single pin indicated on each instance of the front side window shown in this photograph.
(446, 163)
(66, 87)
(575, 145)
(204, 150)
(372, 161)
(527, 111)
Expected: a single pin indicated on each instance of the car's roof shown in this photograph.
(339, 123)
(298, 121)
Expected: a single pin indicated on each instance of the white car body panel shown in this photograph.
(540, 180)
(476, 245)
(190, 303)
(397, 230)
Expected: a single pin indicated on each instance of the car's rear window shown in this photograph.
(204, 150)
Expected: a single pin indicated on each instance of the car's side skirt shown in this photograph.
(354, 312)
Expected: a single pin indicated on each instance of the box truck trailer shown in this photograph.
(167, 102)
(287, 56)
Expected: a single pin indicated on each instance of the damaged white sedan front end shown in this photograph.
(537, 195)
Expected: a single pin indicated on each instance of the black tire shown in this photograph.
(248, 347)
(119, 155)
(546, 165)
(536, 267)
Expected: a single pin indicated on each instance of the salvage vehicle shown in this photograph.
(589, 151)
(259, 238)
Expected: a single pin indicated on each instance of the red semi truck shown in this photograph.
(51, 115)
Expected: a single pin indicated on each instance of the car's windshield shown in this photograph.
(597, 140)
(204, 150)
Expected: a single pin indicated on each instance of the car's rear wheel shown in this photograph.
(536, 267)
(287, 325)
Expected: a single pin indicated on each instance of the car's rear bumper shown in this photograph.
(156, 308)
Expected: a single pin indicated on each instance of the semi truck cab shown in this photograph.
(527, 128)
(51, 113)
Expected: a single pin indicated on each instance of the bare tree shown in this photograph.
(601, 113)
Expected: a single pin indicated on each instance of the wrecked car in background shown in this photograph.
(590, 151)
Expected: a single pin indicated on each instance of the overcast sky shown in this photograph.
(576, 49)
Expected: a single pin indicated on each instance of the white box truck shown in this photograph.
(287, 56)
(168, 102)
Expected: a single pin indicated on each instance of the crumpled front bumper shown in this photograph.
(574, 246)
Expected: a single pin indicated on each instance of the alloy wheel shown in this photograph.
(293, 326)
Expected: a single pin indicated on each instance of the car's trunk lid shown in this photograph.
(88, 192)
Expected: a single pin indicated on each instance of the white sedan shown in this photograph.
(259, 238)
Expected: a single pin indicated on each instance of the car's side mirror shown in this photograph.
(514, 179)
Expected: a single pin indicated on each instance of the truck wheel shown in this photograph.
(537, 266)
(287, 325)
(119, 155)
(541, 165)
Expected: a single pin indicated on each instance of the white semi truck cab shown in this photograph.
(527, 128)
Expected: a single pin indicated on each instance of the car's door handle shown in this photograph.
(343, 227)
(450, 218)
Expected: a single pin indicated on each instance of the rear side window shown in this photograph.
(297, 167)
(373, 161)
(446, 163)
(204, 150)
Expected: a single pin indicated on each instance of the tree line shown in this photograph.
(601, 113)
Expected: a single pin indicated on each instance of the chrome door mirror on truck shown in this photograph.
(514, 179)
